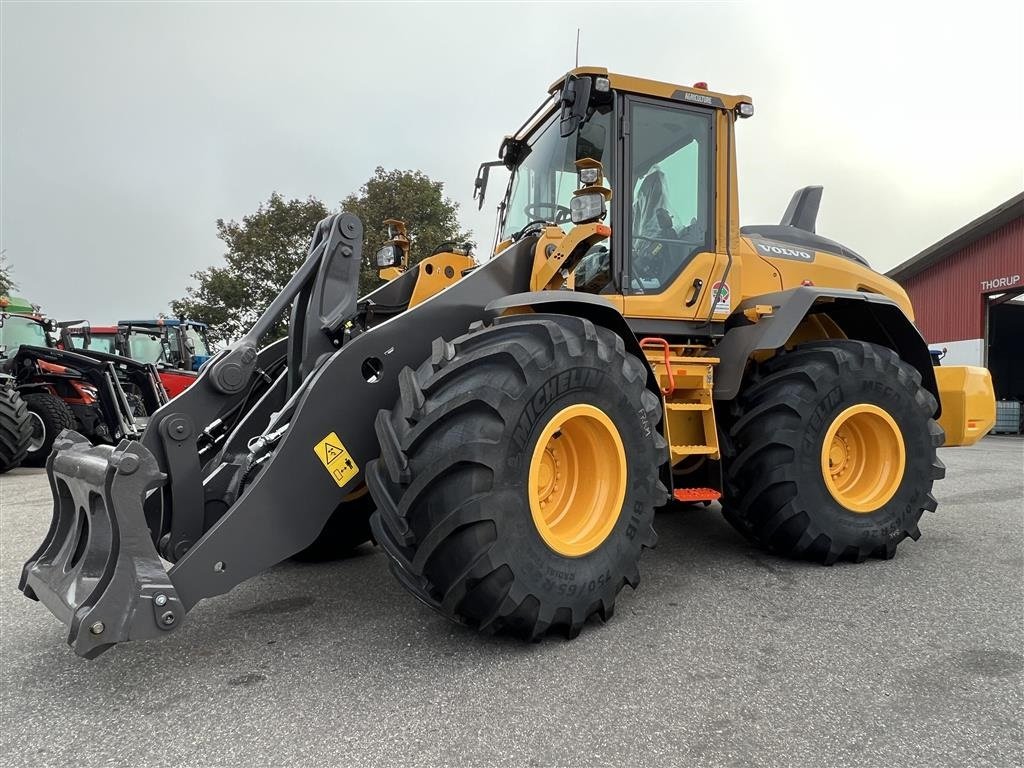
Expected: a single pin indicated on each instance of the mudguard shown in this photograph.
(863, 316)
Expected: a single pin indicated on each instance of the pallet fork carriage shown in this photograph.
(518, 422)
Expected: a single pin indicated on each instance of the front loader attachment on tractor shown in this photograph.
(244, 468)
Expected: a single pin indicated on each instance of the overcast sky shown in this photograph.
(128, 129)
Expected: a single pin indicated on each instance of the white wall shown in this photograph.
(966, 352)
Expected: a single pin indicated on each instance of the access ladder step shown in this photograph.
(688, 406)
(694, 450)
(690, 495)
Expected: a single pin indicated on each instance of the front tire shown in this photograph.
(519, 474)
(15, 429)
(49, 415)
(832, 453)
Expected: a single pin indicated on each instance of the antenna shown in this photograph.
(577, 46)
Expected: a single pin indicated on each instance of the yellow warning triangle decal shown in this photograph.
(332, 452)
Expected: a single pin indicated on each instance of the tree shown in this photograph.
(7, 283)
(413, 197)
(267, 247)
(263, 252)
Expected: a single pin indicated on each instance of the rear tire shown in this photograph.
(346, 528)
(787, 493)
(15, 429)
(50, 415)
(457, 510)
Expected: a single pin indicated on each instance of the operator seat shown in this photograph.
(651, 216)
(655, 261)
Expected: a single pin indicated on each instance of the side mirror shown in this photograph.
(480, 184)
(575, 101)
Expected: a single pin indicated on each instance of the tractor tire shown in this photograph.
(49, 415)
(346, 528)
(476, 446)
(15, 429)
(832, 453)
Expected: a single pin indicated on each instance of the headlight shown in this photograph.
(389, 256)
(586, 207)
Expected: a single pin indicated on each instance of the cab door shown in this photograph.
(667, 231)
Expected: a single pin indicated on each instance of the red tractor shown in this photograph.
(176, 347)
(104, 396)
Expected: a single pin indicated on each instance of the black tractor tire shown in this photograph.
(52, 415)
(776, 491)
(15, 429)
(451, 486)
(346, 528)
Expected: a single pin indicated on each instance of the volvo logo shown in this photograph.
(783, 251)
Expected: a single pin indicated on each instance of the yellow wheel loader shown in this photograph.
(518, 422)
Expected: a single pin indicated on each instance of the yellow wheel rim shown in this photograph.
(577, 480)
(863, 458)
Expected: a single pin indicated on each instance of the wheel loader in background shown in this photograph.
(518, 422)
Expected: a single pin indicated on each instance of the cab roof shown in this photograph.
(79, 330)
(161, 322)
(658, 89)
(16, 305)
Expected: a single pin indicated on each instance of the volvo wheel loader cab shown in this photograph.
(518, 422)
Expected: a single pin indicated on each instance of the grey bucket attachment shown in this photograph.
(97, 569)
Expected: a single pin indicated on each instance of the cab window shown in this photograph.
(670, 164)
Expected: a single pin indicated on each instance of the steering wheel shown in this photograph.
(536, 211)
(649, 255)
(647, 258)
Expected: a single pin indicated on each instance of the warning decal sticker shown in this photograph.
(722, 302)
(336, 459)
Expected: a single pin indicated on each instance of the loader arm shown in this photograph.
(211, 486)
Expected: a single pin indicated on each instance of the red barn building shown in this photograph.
(968, 295)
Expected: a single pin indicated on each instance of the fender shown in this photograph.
(863, 316)
(597, 310)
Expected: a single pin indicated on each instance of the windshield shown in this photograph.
(146, 346)
(21, 330)
(98, 342)
(542, 184)
(199, 346)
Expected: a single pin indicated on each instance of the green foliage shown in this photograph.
(267, 247)
(7, 283)
(263, 251)
(411, 196)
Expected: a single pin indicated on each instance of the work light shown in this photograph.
(587, 207)
(388, 256)
(589, 176)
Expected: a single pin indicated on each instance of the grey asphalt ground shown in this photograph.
(724, 656)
